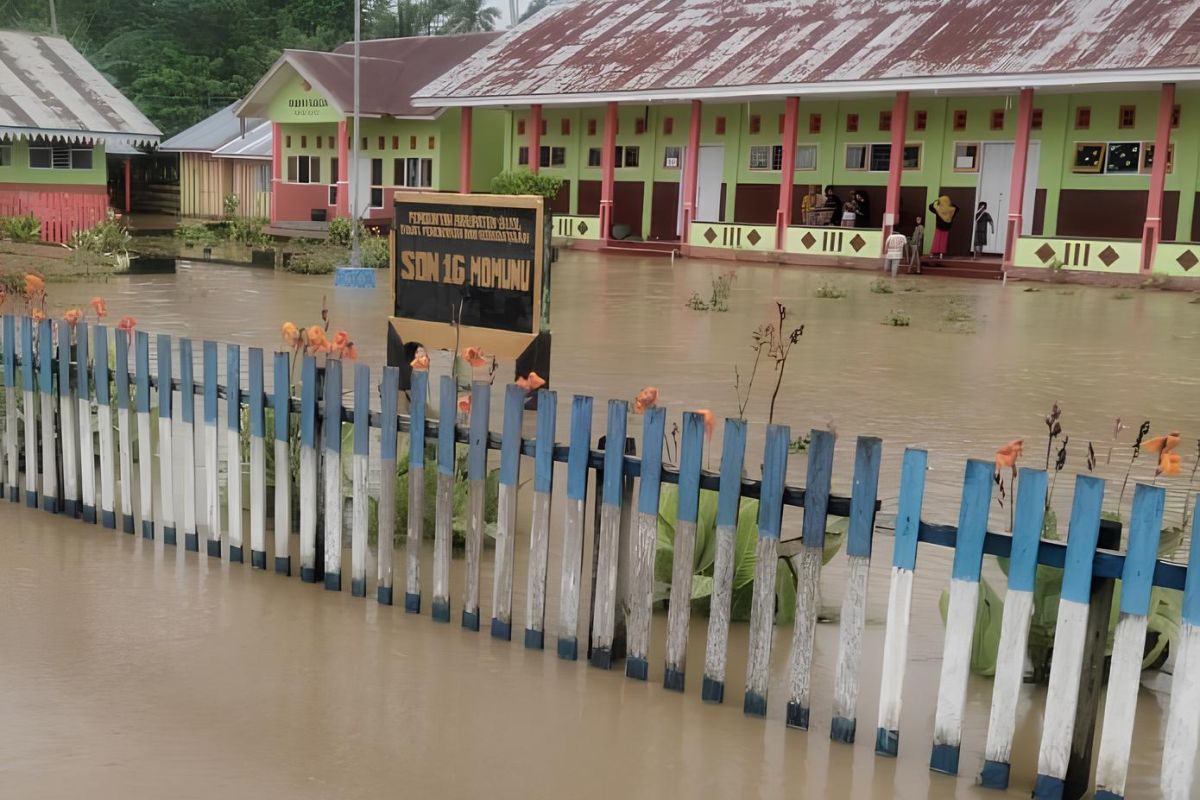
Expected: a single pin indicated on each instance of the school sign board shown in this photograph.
(477, 258)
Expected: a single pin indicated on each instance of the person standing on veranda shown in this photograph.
(944, 212)
(983, 227)
(893, 252)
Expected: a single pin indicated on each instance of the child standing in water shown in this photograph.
(893, 251)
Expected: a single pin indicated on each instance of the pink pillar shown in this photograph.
(787, 178)
(691, 171)
(128, 185)
(535, 140)
(343, 176)
(464, 151)
(891, 207)
(1152, 233)
(1016, 186)
(276, 172)
(607, 168)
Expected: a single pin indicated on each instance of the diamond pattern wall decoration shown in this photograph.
(1044, 253)
(808, 240)
(1108, 256)
(858, 243)
(1187, 259)
(583, 228)
(753, 237)
(710, 235)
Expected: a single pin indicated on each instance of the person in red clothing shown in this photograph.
(944, 212)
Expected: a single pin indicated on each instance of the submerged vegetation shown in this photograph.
(829, 291)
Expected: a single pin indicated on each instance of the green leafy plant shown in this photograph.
(744, 555)
(27, 228)
(340, 231)
(719, 300)
(196, 234)
(1123, 295)
(250, 231)
(897, 319)
(522, 181)
(881, 286)
(315, 261)
(106, 238)
(374, 251)
(827, 291)
(230, 204)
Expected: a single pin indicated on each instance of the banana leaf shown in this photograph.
(985, 646)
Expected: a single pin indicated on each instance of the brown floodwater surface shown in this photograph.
(130, 669)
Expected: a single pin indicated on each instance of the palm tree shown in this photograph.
(469, 16)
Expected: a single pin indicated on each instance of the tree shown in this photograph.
(469, 16)
(534, 7)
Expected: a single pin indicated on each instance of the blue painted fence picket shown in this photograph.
(54, 373)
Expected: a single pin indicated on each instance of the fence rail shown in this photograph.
(49, 377)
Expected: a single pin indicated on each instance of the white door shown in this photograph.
(708, 183)
(995, 178)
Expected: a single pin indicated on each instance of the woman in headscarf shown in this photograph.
(943, 217)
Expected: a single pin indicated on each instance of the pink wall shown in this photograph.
(63, 210)
(294, 202)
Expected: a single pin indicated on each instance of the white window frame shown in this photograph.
(295, 161)
(424, 167)
(867, 151)
(62, 156)
(816, 156)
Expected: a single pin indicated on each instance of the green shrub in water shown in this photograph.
(897, 319)
(250, 231)
(830, 292)
(196, 234)
(316, 261)
(881, 286)
(27, 228)
(374, 251)
(522, 181)
(107, 238)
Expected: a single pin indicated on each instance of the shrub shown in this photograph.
(339, 231)
(881, 286)
(249, 231)
(829, 292)
(21, 229)
(897, 319)
(317, 261)
(105, 238)
(231, 202)
(195, 234)
(374, 251)
(522, 181)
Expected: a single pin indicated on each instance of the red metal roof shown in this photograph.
(678, 47)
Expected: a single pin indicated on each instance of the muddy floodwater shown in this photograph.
(130, 670)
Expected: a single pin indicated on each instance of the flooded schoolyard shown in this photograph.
(134, 670)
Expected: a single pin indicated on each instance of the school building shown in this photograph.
(59, 120)
(308, 99)
(702, 123)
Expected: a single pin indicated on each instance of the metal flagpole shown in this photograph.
(355, 257)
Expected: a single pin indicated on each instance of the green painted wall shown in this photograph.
(19, 170)
(1056, 141)
(294, 103)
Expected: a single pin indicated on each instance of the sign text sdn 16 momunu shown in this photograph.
(479, 259)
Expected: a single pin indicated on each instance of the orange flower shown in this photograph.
(645, 399)
(73, 316)
(34, 285)
(1168, 464)
(38, 315)
(531, 383)
(464, 404)
(420, 362)
(291, 335)
(710, 422)
(349, 353)
(474, 356)
(314, 337)
(1162, 444)
(341, 340)
(1007, 456)
(100, 307)
(127, 324)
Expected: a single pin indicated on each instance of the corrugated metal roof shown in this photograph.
(48, 89)
(255, 144)
(390, 71)
(677, 48)
(210, 133)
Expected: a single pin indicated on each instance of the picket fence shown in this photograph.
(48, 376)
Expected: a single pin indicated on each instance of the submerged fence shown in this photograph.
(50, 377)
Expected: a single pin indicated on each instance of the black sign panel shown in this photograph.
(485, 257)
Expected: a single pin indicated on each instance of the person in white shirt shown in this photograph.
(893, 251)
